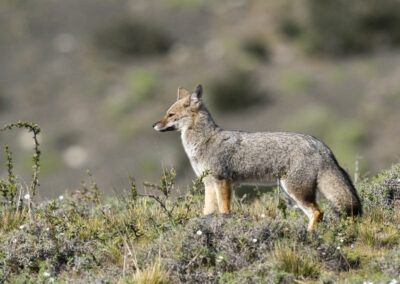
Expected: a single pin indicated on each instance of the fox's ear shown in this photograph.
(196, 96)
(199, 91)
(182, 93)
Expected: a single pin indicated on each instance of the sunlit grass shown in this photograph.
(154, 273)
(288, 258)
(10, 220)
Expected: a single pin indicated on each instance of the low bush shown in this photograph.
(341, 27)
(257, 48)
(382, 190)
(235, 91)
(126, 38)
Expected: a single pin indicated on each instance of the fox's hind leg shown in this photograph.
(224, 192)
(305, 196)
(210, 199)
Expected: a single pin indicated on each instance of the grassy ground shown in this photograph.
(154, 238)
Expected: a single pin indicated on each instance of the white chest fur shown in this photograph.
(192, 151)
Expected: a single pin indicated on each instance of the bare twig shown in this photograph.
(156, 198)
(34, 128)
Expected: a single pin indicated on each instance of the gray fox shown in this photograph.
(301, 162)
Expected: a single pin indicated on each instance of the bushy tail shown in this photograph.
(335, 184)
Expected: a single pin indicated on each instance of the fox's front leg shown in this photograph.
(224, 193)
(210, 199)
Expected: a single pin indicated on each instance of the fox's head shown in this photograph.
(182, 114)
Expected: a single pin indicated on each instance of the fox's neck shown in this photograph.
(201, 130)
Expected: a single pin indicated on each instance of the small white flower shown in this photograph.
(199, 233)
(27, 196)
(338, 247)
(51, 280)
(254, 240)
(262, 215)
(22, 226)
(352, 246)
(47, 229)
(341, 240)
(394, 281)
(61, 197)
(14, 241)
(340, 234)
(220, 257)
(46, 274)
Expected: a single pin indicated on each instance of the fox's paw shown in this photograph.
(227, 215)
(208, 216)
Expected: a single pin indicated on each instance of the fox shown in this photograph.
(301, 163)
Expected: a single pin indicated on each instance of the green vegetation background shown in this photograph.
(97, 74)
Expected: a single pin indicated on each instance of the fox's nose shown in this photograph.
(154, 124)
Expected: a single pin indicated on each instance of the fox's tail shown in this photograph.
(335, 184)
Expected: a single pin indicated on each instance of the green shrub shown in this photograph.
(8, 187)
(383, 190)
(342, 27)
(139, 86)
(142, 85)
(237, 90)
(133, 38)
(295, 82)
(256, 47)
(389, 264)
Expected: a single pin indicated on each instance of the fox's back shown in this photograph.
(261, 156)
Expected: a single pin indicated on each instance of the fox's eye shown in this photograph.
(171, 114)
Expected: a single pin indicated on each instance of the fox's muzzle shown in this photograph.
(155, 126)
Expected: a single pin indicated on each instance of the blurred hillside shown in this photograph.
(96, 74)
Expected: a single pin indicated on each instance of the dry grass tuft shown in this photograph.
(154, 273)
(10, 220)
(289, 259)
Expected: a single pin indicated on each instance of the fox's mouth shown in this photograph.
(171, 128)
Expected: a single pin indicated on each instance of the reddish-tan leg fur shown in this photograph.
(317, 215)
(224, 193)
(305, 198)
